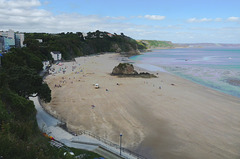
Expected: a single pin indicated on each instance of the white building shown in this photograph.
(9, 33)
(9, 39)
(19, 38)
(39, 40)
(45, 64)
(56, 55)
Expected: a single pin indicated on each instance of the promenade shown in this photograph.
(86, 140)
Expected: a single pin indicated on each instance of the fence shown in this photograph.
(111, 144)
(63, 125)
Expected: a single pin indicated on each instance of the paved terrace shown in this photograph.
(85, 140)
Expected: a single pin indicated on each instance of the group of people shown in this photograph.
(153, 85)
(64, 80)
(57, 85)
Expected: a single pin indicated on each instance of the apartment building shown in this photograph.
(9, 39)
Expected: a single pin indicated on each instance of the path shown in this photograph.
(49, 124)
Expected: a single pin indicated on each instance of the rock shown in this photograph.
(124, 69)
(146, 75)
(127, 70)
(115, 48)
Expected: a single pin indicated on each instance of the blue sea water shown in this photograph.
(217, 68)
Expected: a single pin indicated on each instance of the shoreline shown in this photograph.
(156, 122)
(156, 69)
(175, 70)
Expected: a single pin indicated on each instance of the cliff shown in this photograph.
(78, 44)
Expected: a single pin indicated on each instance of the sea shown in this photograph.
(217, 68)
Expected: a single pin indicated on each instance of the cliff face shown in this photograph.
(133, 51)
(124, 49)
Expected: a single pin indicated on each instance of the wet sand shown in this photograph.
(180, 120)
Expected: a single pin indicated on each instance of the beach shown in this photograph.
(163, 117)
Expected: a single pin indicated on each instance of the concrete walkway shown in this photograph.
(49, 125)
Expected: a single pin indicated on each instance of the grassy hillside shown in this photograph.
(158, 44)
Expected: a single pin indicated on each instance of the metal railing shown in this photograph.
(103, 140)
(111, 144)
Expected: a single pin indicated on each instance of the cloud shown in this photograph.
(233, 19)
(17, 12)
(193, 20)
(26, 16)
(23, 15)
(30, 18)
(154, 17)
(19, 3)
(229, 19)
(116, 18)
(218, 19)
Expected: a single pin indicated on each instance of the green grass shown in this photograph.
(156, 43)
(85, 153)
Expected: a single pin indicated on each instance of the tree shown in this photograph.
(3, 79)
(22, 57)
(44, 93)
(27, 83)
(32, 44)
(97, 34)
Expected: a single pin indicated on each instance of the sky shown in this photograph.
(179, 21)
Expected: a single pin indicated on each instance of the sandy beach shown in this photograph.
(163, 117)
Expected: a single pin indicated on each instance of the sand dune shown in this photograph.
(180, 120)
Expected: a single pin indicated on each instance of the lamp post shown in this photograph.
(120, 143)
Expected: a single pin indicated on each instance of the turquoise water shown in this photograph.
(217, 68)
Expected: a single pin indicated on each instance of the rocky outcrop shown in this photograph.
(124, 69)
(125, 49)
(115, 48)
(127, 70)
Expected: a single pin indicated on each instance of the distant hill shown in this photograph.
(155, 44)
(205, 45)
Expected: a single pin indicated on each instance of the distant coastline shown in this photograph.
(159, 44)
